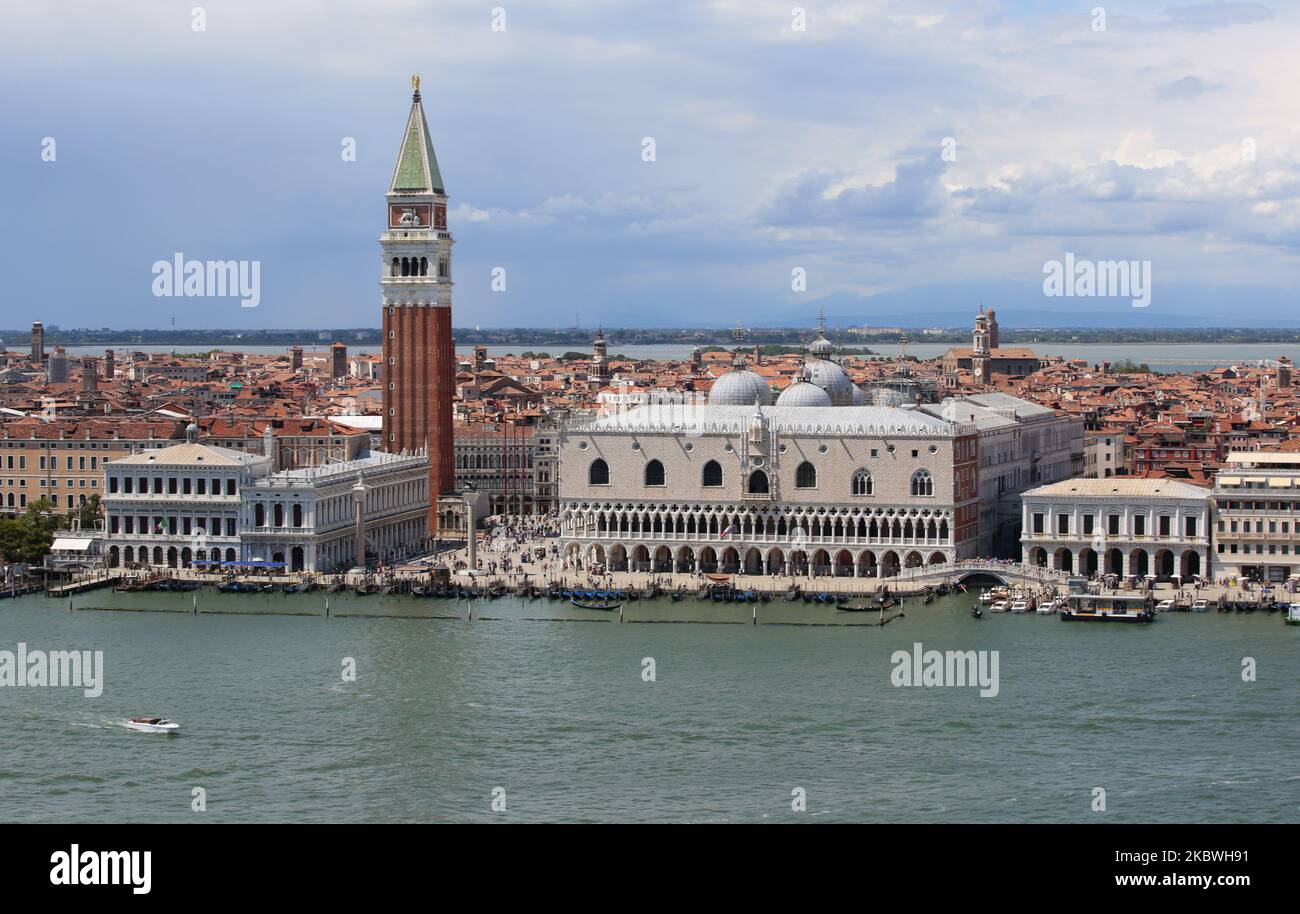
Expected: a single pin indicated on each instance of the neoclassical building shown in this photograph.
(192, 504)
(1119, 526)
(308, 517)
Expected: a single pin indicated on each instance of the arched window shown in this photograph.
(297, 515)
(424, 266)
(862, 484)
(713, 473)
(806, 476)
(654, 473)
(922, 483)
(598, 473)
(394, 268)
(757, 483)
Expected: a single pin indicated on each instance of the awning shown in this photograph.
(1252, 480)
(1279, 483)
(1230, 480)
(71, 544)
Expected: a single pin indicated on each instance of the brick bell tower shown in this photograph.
(419, 373)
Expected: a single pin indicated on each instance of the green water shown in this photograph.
(558, 715)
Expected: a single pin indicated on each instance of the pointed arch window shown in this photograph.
(712, 476)
(805, 477)
(598, 473)
(922, 483)
(757, 484)
(654, 473)
(862, 483)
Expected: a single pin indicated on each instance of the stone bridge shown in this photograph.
(1007, 573)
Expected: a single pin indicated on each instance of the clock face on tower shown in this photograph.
(409, 215)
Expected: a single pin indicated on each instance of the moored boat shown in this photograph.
(1108, 608)
(605, 605)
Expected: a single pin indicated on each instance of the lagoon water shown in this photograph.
(557, 714)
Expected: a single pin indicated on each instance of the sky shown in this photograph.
(910, 160)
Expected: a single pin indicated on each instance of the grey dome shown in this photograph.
(740, 387)
(859, 398)
(831, 378)
(820, 347)
(801, 393)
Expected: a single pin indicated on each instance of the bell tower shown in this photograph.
(415, 285)
(979, 362)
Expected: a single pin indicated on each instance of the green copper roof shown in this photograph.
(417, 166)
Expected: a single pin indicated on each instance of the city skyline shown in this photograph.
(1157, 138)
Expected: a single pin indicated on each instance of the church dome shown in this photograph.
(801, 393)
(831, 378)
(820, 347)
(859, 398)
(740, 387)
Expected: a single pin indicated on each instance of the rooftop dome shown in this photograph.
(820, 347)
(740, 387)
(860, 398)
(801, 393)
(831, 378)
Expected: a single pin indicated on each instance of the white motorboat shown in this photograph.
(1201, 606)
(1046, 608)
(999, 607)
(1164, 606)
(153, 725)
(1019, 606)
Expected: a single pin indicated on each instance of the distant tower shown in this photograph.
(38, 342)
(110, 366)
(89, 376)
(979, 362)
(419, 361)
(599, 359)
(57, 370)
(480, 358)
(295, 358)
(338, 360)
(1284, 371)
(993, 329)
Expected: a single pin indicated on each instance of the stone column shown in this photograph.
(359, 498)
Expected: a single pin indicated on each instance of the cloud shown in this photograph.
(1187, 87)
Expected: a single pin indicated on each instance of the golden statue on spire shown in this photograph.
(415, 82)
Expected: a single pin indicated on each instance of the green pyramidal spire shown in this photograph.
(417, 166)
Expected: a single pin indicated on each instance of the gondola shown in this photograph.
(604, 605)
(976, 612)
(855, 608)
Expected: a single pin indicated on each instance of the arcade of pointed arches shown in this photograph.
(778, 540)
